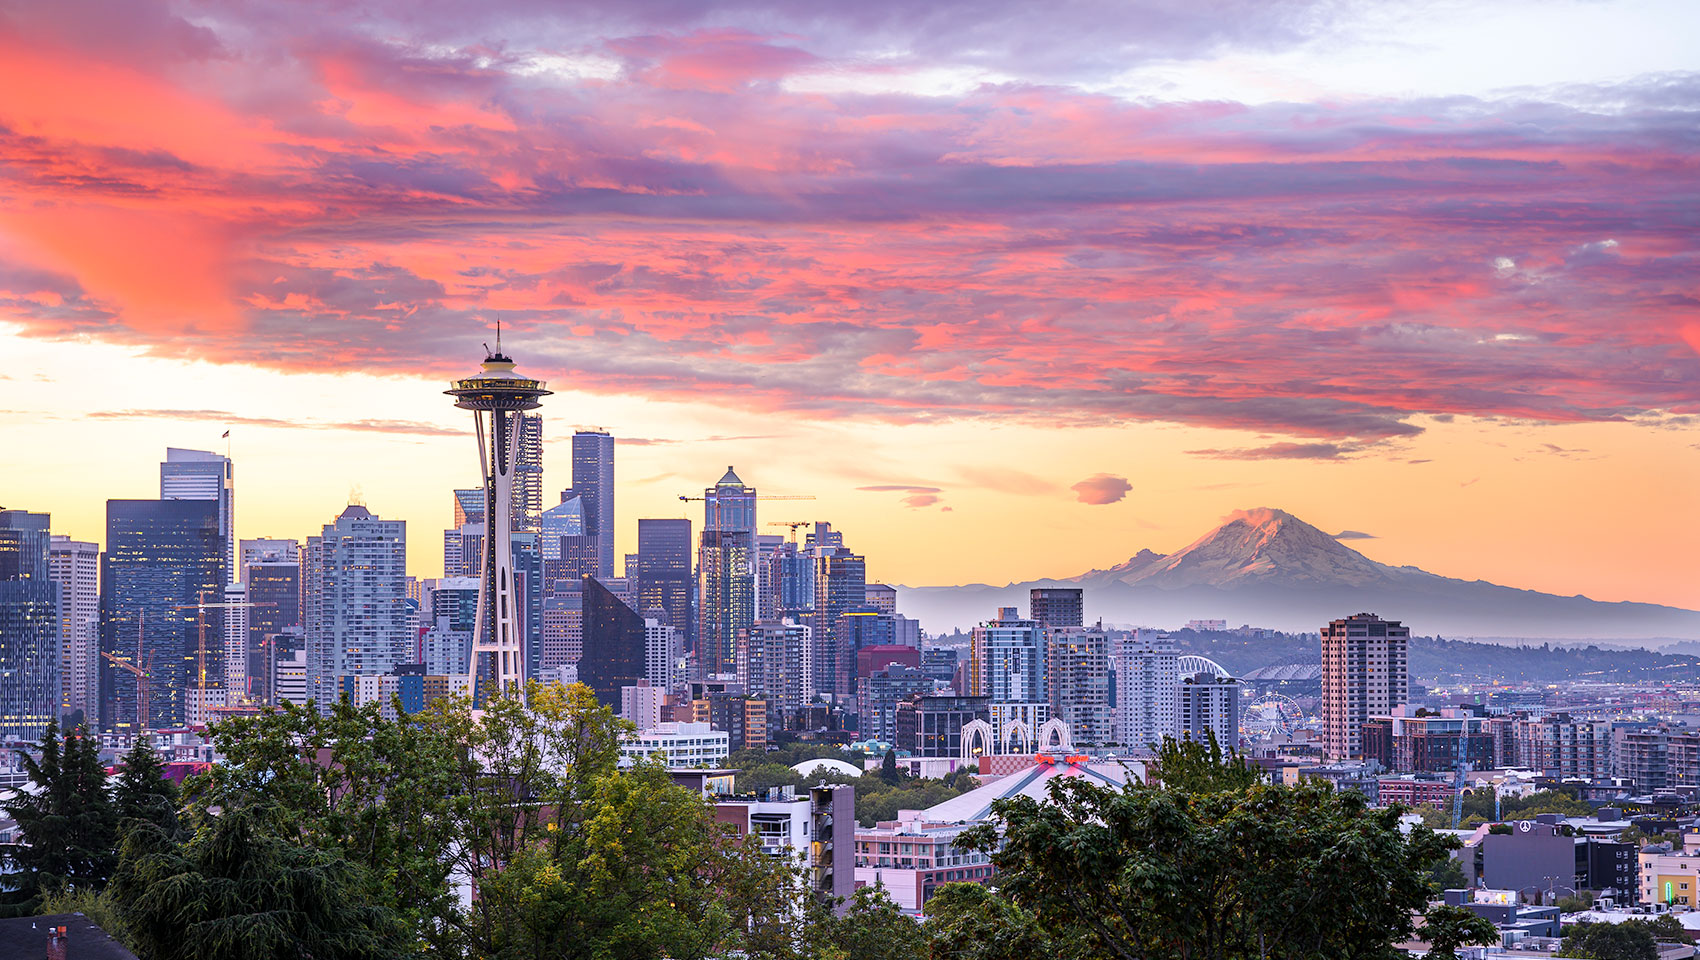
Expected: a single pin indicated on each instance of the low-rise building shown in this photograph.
(682, 744)
(1670, 874)
(910, 857)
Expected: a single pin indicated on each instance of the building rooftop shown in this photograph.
(25, 938)
(1032, 782)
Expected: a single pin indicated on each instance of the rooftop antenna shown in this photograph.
(498, 333)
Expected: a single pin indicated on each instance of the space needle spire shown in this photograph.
(497, 395)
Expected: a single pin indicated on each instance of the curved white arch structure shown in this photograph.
(1194, 664)
(1054, 735)
(1010, 730)
(976, 732)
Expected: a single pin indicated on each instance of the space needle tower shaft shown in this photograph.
(497, 395)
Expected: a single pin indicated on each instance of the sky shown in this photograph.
(1012, 290)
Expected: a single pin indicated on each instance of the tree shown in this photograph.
(1631, 940)
(1446, 874)
(888, 769)
(142, 792)
(1259, 871)
(870, 927)
(968, 921)
(1667, 928)
(1446, 929)
(1190, 766)
(238, 890)
(68, 823)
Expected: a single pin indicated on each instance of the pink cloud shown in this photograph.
(1101, 488)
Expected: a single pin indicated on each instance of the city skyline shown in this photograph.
(1415, 271)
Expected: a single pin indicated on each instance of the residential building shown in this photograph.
(1209, 705)
(663, 652)
(774, 663)
(563, 625)
(31, 632)
(356, 610)
(880, 596)
(289, 676)
(743, 717)
(593, 482)
(1365, 673)
(880, 694)
(162, 558)
(1414, 740)
(910, 858)
(1560, 745)
(1078, 680)
(1640, 754)
(816, 830)
(642, 704)
(1057, 607)
(681, 744)
(1146, 701)
(75, 566)
(1007, 660)
(1670, 874)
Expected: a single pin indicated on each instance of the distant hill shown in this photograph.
(1269, 568)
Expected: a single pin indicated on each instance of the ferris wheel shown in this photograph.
(1269, 715)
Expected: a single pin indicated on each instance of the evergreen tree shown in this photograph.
(237, 890)
(69, 826)
(888, 768)
(142, 792)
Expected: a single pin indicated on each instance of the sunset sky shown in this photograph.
(1013, 289)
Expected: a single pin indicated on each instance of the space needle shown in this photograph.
(500, 392)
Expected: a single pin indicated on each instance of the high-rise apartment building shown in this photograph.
(162, 558)
(1146, 667)
(202, 475)
(528, 472)
(1007, 660)
(30, 629)
(1078, 682)
(1057, 607)
(1365, 672)
(593, 482)
(879, 695)
(356, 608)
(787, 584)
(233, 635)
(881, 596)
(774, 663)
(76, 568)
(726, 573)
(663, 572)
(1210, 706)
(1559, 745)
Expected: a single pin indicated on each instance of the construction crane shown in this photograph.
(143, 686)
(201, 607)
(1463, 771)
(715, 520)
(793, 524)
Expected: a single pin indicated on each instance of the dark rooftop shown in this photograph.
(25, 938)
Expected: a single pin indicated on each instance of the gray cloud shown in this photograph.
(1283, 451)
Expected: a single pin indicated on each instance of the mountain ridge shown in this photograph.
(1266, 567)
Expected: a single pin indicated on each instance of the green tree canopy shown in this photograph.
(1262, 871)
(68, 822)
(1445, 929)
(1631, 940)
(239, 890)
(142, 794)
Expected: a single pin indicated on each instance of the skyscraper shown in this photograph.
(203, 475)
(528, 473)
(497, 397)
(1146, 669)
(356, 601)
(1057, 607)
(726, 573)
(615, 643)
(1364, 673)
(76, 568)
(160, 555)
(1078, 678)
(564, 519)
(1007, 664)
(272, 574)
(664, 572)
(773, 663)
(593, 482)
(30, 647)
(840, 585)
